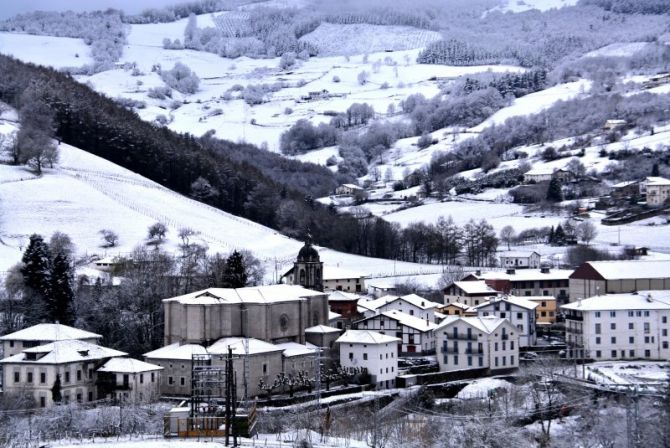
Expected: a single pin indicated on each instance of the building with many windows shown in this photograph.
(410, 304)
(129, 380)
(519, 311)
(528, 282)
(468, 343)
(416, 335)
(545, 313)
(470, 293)
(376, 352)
(42, 334)
(520, 260)
(619, 326)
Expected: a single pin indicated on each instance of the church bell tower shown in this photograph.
(308, 268)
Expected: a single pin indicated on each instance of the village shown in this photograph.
(323, 333)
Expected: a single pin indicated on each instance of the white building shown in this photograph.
(176, 359)
(416, 335)
(520, 260)
(70, 363)
(658, 191)
(339, 279)
(467, 343)
(470, 293)
(129, 380)
(619, 326)
(349, 189)
(42, 334)
(518, 311)
(410, 304)
(376, 352)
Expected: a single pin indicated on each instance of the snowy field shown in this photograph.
(57, 52)
(527, 5)
(627, 373)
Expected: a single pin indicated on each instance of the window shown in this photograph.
(153, 377)
(664, 332)
(503, 315)
(664, 319)
(30, 377)
(481, 361)
(597, 328)
(613, 353)
(141, 378)
(646, 328)
(631, 314)
(365, 356)
(612, 313)
(613, 326)
(597, 313)
(631, 353)
(496, 361)
(544, 303)
(511, 360)
(631, 340)
(90, 396)
(511, 345)
(613, 339)
(631, 326)
(646, 314)
(351, 356)
(504, 359)
(543, 313)
(182, 381)
(597, 339)
(598, 354)
(170, 380)
(43, 377)
(495, 347)
(11, 343)
(665, 344)
(265, 369)
(455, 359)
(43, 402)
(519, 315)
(504, 343)
(469, 360)
(67, 376)
(411, 312)
(545, 293)
(646, 339)
(78, 375)
(647, 353)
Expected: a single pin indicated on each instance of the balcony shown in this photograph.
(473, 351)
(462, 337)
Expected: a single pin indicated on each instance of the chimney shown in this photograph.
(478, 272)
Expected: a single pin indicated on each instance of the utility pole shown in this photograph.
(228, 397)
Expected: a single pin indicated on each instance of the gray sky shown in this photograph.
(9, 8)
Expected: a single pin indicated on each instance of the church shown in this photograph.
(307, 271)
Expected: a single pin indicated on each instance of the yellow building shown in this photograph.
(545, 313)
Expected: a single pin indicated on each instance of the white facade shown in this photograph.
(658, 191)
(42, 334)
(467, 343)
(409, 304)
(518, 311)
(470, 293)
(619, 326)
(520, 260)
(376, 352)
(130, 380)
(416, 335)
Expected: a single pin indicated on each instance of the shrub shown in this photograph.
(181, 78)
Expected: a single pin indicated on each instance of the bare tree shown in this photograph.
(109, 237)
(586, 231)
(507, 235)
(157, 230)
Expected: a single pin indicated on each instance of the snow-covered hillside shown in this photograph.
(84, 194)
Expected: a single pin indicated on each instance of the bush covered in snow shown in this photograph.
(181, 78)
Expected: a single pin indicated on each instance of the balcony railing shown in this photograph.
(462, 337)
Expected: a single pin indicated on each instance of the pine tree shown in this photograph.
(552, 235)
(559, 236)
(36, 273)
(61, 299)
(235, 273)
(554, 192)
(655, 171)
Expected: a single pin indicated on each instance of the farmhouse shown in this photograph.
(375, 352)
(520, 260)
(469, 293)
(348, 189)
(42, 334)
(63, 370)
(415, 334)
(610, 277)
(518, 311)
(619, 326)
(468, 343)
(410, 304)
(544, 174)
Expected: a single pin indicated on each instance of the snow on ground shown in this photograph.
(542, 5)
(110, 197)
(480, 388)
(152, 34)
(57, 52)
(619, 49)
(537, 102)
(627, 373)
(336, 39)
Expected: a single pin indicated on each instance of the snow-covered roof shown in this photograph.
(643, 300)
(409, 321)
(476, 287)
(255, 346)
(341, 296)
(412, 299)
(128, 365)
(625, 184)
(254, 294)
(462, 306)
(515, 300)
(177, 351)
(322, 329)
(365, 337)
(657, 181)
(352, 186)
(540, 298)
(629, 269)
(63, 352)
(335, 273)
(333, 316)
(540, 171)
(518, 254)
(49, 332)
(526, 275)
(485, 324)
(294, 349)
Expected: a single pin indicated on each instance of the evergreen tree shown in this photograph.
(554, 192)
(559, 236)
(56, 395)
(36, 271)
(62, 294)
(552, 235)
(655, 171)
(235, 273)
